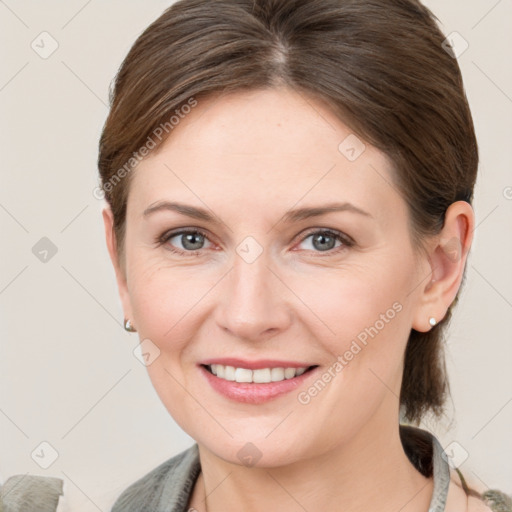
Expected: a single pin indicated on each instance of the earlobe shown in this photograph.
(110, 238)
(447, 260)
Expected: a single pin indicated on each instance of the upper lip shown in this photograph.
(255, 365)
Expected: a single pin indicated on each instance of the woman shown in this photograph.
(289, 189)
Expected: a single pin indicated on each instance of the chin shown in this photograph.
(256, 451)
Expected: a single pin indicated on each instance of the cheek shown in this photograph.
(361, 314)
(364, 323)
(349, 300)
(167, 302)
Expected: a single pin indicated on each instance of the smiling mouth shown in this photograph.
(259, 376)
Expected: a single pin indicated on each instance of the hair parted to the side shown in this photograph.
(377, 64)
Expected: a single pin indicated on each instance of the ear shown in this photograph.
(447, 256)
(108, 220)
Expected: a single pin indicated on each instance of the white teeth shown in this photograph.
(220, 371)
(260, 376)
(289, 373)
(277, 374)
(229, 372)
(241, 375)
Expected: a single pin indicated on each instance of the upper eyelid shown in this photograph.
(167, 235)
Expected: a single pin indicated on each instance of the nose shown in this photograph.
(253, 306)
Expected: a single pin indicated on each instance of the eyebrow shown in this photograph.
(290, 216)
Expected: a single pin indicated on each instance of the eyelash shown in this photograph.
(347, 242)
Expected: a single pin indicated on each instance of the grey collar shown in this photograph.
(441, 476)
(168, 487)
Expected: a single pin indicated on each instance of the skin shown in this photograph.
(248, 158)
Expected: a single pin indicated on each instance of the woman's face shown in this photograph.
(261, 283)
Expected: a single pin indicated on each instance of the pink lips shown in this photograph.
(255, 393)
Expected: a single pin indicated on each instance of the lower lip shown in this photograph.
(251, 393)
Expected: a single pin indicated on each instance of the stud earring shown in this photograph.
(128, 326)
(432, 321)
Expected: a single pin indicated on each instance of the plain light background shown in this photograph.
(68, 375)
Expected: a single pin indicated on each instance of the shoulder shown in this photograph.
(23, 492)
(460, 501)
(477, 505)
(174, 476)
(454, 493)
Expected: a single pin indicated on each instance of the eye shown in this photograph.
(192, 241)
(324, 240)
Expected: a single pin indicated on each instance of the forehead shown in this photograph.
(260, 147)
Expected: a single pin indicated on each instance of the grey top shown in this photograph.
(30, 493)
(168, 487)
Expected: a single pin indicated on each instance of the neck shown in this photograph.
(371, 472)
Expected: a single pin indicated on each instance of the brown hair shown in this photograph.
(380, 65)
